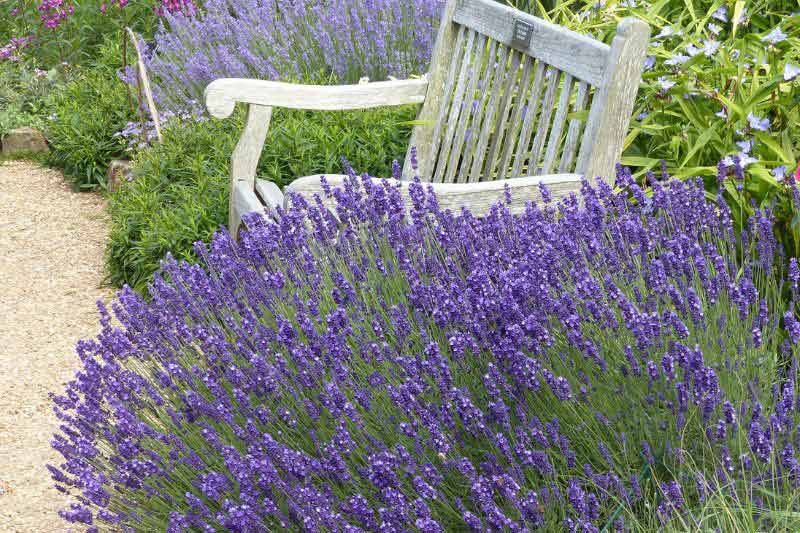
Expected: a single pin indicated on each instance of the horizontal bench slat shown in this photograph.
(568, 51)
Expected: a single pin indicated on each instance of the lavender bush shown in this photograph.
(336, 41)
(614, 362)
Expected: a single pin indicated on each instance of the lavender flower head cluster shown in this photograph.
(336, 41)
(613, 359)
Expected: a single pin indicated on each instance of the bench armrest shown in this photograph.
(222, 95)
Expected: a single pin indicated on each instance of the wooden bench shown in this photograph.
(510, 99)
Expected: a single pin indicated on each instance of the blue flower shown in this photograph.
(721, 14)
(775, 36)
(746, 146)
(666, 84)
(668, 31)
(790, 71)
(710, 47)
(758, 123)
(779, 172)
(677, 59)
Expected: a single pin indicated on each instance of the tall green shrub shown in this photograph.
(179, 194)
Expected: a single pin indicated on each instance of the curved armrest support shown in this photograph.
(221, 95)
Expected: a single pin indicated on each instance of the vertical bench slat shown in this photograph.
(575, 128)
(544, 120)
(479, 116)
(455, 108)
(531, 116)
(501, 76)
(523, 90)
(467, 112)
(504, 111)
(554, 141)
(444, 101)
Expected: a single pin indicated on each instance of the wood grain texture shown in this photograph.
(523, 90)
(246, 155)
(426, 153)
(477, 197)
(548, 104)
(499, 81)
(467, 113)
(554, 140)
(612, 104)
(574, 131)
(456, 108)
(439, 74)
(583, 57)
(532, 112)
(243, 201)
(503, 115)
(222, 95)
(493, 68)
(269, 194)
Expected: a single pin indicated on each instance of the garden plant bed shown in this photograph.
(51, 256)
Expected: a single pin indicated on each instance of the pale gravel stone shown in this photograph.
(51, 272)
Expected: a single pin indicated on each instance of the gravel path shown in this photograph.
(51, 268)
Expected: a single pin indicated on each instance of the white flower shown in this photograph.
(363, 80)
(666, 84)
(790, 71)
(727, 161)
(710, 47)
(677, 59)
(722, 113)
(668, 31)
(775, 36)
(713, 28)
(692, 50)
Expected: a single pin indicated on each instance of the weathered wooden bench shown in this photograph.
(510, 99)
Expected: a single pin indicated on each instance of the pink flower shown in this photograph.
(797, 173)
(103, 8)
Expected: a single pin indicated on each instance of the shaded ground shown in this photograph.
(51, 268)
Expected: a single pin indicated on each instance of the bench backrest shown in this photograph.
(513, 95)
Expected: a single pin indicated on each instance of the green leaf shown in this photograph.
(737, 15)
(700, 143)
(767, 140)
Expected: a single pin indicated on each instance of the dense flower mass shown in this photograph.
(613, 360)
(306, 40)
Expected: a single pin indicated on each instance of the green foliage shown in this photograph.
(180, 191)
(23, 91)
(86, 114)
(711, 71)
(80, 38)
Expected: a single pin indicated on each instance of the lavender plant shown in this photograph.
(338, 41)
(610, 362)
